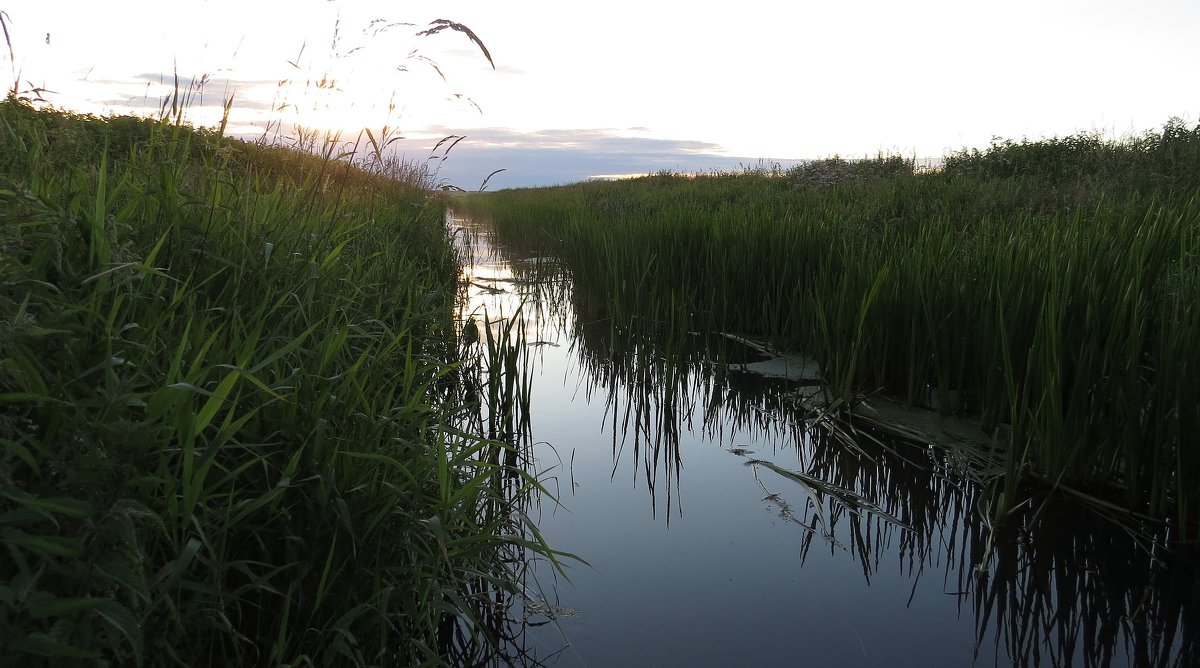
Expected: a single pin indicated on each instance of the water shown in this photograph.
(721, 528)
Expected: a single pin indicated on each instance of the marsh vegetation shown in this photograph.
(239, 425)
(729, 517)
(254, 412)
(1044, 290)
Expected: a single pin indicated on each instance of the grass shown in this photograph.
(233, 409)
(1045, 286)
(1062, 579)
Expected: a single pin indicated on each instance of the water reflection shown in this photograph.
(1058, 582)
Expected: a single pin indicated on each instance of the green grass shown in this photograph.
(1045, 285)
(233, 409)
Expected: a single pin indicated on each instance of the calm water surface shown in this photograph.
(719, 529)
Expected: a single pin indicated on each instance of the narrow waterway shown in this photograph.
(722, 526)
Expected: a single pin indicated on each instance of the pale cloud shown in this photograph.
(146, 94)
(563, 156)
(605, 140)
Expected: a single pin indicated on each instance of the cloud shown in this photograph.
(603, 140)
(554, 157)
(202, 92)
(210, 83)
(465, 54)
(142, 103)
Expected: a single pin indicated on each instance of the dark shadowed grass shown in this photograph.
(231, 412)
(1039, 286)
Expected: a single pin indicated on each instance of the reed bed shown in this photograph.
(233, 410)
(1046, 288)
(1062, 582)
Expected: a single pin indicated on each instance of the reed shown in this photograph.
(1040, 286)
(231, 412)
(1052, 579)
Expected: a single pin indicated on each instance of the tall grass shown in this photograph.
(231, 410)
(1061, 580)
(1038, 285)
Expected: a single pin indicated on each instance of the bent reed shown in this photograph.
(232, 410)
(1047, 288)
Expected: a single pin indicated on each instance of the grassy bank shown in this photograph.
(231, 409)
(1048, 288)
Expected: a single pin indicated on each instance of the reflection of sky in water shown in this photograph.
(711, 562)
(723, 584)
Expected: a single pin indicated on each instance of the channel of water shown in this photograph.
(724, 526)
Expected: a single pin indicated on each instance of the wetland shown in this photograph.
(887, 496)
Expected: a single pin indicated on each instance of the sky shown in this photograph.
(577, 90)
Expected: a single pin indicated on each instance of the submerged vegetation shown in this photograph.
(234, 409)
(1045, 288)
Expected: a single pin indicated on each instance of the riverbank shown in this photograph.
(233, 411)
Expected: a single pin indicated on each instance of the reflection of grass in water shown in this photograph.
(1060, 585)
(819, 490)
(1061, 582)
